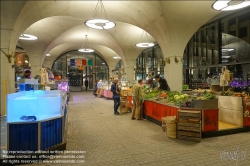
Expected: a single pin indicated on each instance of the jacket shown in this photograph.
(137, 91)
(114, 88)
(164, 84)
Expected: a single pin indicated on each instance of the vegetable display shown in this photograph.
(175, 98)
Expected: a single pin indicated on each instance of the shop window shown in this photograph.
(233, 33)
(243, 32)
(232, 22)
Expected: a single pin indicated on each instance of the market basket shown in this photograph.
(171, 126)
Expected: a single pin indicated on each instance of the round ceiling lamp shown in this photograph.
(27, 37)
(144, 44)
(86, 49)
(100, 23)
(226, 5)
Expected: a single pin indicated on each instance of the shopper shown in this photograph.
(137, 100)
(163, 83)
(95, 89)
(99, 88)
(86, 82)
(26, 74)
(116, 95)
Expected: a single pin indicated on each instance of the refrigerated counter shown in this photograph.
(36, 120)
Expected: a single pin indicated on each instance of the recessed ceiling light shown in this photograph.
(27, 37)
(116, 57)
(103, 63)
(48, 55)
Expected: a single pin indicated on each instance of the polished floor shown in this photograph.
(116, 140)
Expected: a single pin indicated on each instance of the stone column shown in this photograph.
(129, 70)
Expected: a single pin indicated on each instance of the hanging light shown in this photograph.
(226, 47)
(86, 49)
(226, 5)
(101, 23)
(144, 44)
(27, 37)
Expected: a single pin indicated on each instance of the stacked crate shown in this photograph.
(123, 98)
(189, 125)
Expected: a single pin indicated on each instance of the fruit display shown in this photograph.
(246, 100)
(238, 94)
(208, 95)
(150, 94)
(229, 92)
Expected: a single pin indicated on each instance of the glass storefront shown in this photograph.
(149, 63)
(97, 71)
(224, 42)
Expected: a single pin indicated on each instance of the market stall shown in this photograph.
(221, 114)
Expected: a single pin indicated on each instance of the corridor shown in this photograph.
(116, 140)
(110, 139)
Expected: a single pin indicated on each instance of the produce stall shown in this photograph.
(221, 113)
(161, 104)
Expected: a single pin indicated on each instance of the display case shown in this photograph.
(37, 119)
(33, 106)
(124, 85)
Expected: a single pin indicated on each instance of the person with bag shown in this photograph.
(116, 95)
(137, 101)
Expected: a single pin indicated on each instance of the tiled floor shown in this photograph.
(111, 140)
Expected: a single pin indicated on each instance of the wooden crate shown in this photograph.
(189, 125)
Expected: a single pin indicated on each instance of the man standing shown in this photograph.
(163, 83)
(137, 100)
(86, 82)
(116, 95)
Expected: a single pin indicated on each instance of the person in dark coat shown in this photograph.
(116, 96)
(163, 83)
(86, 82)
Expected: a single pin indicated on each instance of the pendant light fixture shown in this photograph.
(144, 44)
(86, 49)
(100, 23)
(226, 5)
(28, 36)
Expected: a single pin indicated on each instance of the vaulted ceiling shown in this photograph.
(60, 27)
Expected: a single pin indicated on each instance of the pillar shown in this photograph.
(129, 70)
(173, 74)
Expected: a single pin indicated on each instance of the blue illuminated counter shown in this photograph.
(36, 120)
